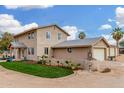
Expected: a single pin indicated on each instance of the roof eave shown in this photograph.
(72, 46)
(34, 29)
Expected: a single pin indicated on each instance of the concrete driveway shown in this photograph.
(80, 79)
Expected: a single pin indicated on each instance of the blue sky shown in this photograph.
(85, 18)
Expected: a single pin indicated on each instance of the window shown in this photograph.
(32, 35)
(29, 36)
(32, 51)
(69, 50)
(15, 40)
(29, 51)
(48, 35)
(46, 50)
(59, 36)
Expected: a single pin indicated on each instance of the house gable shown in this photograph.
(53, 28)
(101, 43)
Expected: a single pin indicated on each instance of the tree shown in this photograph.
(82, 35)
(121, 43)
(117, 34)
(6, 39)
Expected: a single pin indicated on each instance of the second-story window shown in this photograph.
(29, 36)
(48, 35)
(32, 35)
(59, 36)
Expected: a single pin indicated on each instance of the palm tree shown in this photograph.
(82, 35)
(117, 34)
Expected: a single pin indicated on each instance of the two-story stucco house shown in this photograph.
(37, 41)
(52, 41)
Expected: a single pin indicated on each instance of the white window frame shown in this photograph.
(29, 35)
(46, 50)
(48, 35)
(32, 51)
(29, 52)
(59, 36)
(32, 35)
(29, 49)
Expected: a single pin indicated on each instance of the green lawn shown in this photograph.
(37, 70)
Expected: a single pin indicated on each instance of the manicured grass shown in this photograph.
(37, 70)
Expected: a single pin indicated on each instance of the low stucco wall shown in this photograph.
(77, 53)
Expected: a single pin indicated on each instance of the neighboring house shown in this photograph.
(121, 49)
(52, 41)
(113, 50)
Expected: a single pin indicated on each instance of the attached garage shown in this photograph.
(99, 54)
(89, 48)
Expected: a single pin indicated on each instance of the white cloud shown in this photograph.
(72, 30)
(119, 11)
(8, 21)
(109, 39)
(25, 27)
(105, 27)
(111, 20)
(9, 24)
(28, 7)
(120, 16)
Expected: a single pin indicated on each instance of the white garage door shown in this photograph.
(99, 54)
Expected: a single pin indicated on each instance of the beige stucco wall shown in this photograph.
(77, 53)
(40, 41)
(43, 42)
(31, 43)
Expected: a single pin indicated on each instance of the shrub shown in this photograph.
(43, 60)
(49, 62)
(75, 66)
(78, 65)
(1, 52)
(68, 63)
(72, 65)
